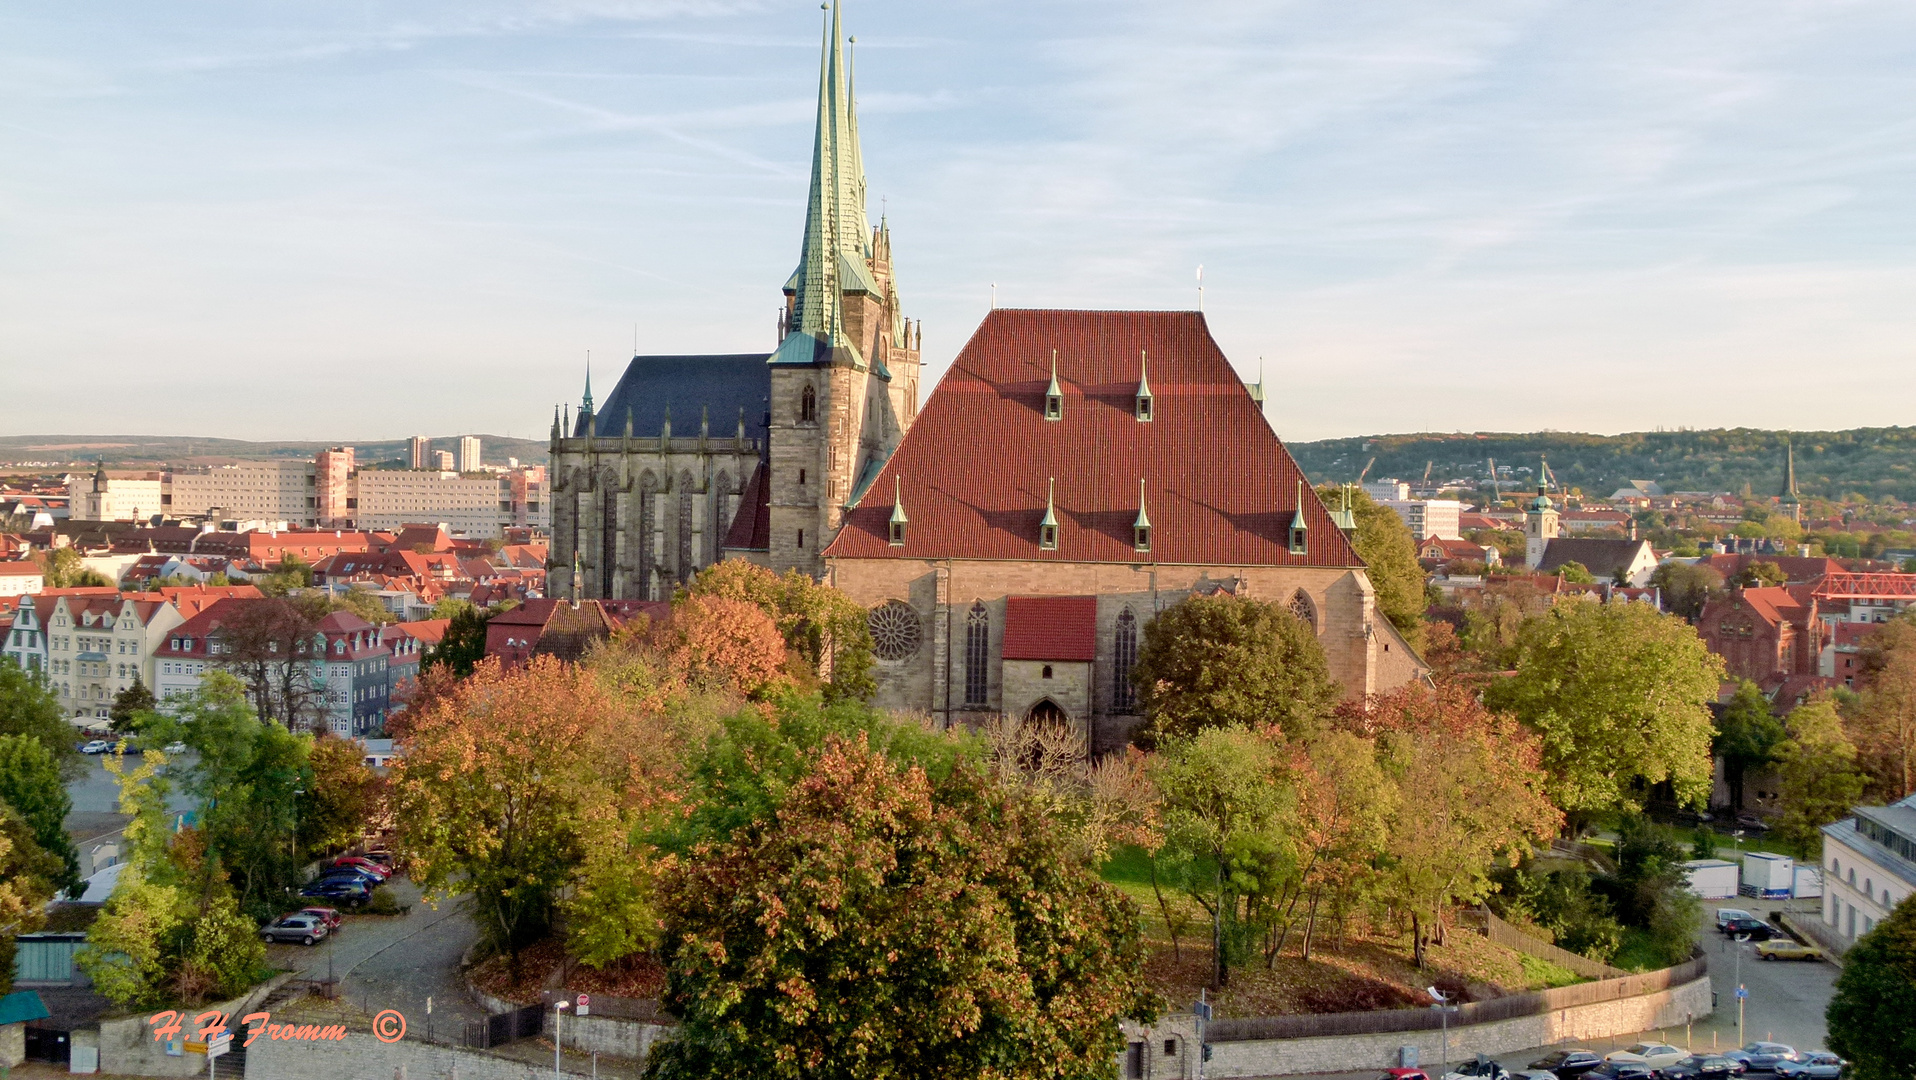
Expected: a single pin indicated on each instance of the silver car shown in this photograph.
(300, 927)
(1815, 1064)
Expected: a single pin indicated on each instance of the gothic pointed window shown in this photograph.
(609, 536)
(1302, 607)
(1124, 696)
(686, 555)
(648, 536)
(977, 654)
(808, 405)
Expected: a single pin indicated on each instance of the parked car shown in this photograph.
(174, 748)
(1483, 1068)
(1568, 1063)
(352, 873)
(1752, 823)
(1621, 1070)
(1814, 1064)
(1752, 929)
(1762, 1056)
(1701, 1067)
(1725, 914)
(379, 855)
(350, 891)
(96, 746)
(299, 926)
(371, 867)
(1650, 1055)
(1786, 949)
(1405, 1074)
(330, 916)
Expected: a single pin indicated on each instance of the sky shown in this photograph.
(362, 219)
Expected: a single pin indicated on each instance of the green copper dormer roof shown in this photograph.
(898, 503)
(1144, 519)
(1050, 512)
(832, 260)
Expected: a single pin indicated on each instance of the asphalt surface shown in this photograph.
(97, 792)
(395, 961)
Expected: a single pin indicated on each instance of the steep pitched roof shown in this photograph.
(975, 467)
(752, 522)
(1602, 556)
(722, 386)
(1051, 628)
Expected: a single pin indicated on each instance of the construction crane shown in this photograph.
(1366, 472)
(1427, 466)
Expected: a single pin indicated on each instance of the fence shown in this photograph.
(1477, 1012)
(501, 1028)
(644, 1010)
(1510, 937)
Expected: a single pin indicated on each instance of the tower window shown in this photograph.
(1048, 537)
(977, 654)
(1054, 407)
(808, 405)
(801, 477)
(801, 539)
(1047, 671)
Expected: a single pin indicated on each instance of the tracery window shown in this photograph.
(808, 405)
(1302, 607)
(609, 537)
(685, 527)
(1124, 696)
(896, 633)
(977, 654)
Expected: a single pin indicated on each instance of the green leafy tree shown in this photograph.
(1686, 587)
(1620, 694)
(1761, 574)
(1650, 887)
(27, 881)
(28, 707)
(64, 568)
(1389, 552)
(30, 783)
(1212, 661)
(1576, 573)
(343, 798)
(1230, 830)
(129, 704)
(821, 625)
(447, 607)
(881, 923)
(226, 946)
(363, 603)
(1818, 780)
(1872, 1017)
(1747, 734)
(463, 645)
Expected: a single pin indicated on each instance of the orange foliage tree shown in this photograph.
(717, 642)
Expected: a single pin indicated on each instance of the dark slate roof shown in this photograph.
(752, 523)
(721, 384)
(976, 466)
(1602, 556)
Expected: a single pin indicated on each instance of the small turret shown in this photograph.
(898, 518)
(1141, 528)
(1048, 526)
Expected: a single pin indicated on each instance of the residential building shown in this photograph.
(1842, 655)
(442, 460)
(1584, 521)
(1436, 551)
(548, 627)
(99, 645)
(417, 450)
(1019, 582)
(27, 643)
(1430, 517)
(1388, 490)
(333, 487)
(1869, 866)
(20, 578)
(476, 505)
(409, 642)
(1628, 561)
(270, 490)
(526, 492)
(469, 454)
(346, 662)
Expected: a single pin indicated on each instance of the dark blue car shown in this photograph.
(335, 889)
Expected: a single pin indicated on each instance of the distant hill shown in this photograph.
(134, 451)
(1875, 462)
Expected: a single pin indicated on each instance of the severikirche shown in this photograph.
(1072, 474)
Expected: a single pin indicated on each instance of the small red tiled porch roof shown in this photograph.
(1051, 628)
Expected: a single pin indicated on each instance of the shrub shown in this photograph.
(382, 903)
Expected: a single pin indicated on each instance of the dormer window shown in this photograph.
(1144, 389)
(898, 518)
(1298, 534)
(1054, 394)
(1048, 527)
(1141, 528)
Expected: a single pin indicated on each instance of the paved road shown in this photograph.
(395, 962)
(97, 792)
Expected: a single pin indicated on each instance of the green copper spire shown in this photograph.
(832, 260)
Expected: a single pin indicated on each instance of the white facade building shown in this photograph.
(118, 498)
(1430, 517)
(469, 454)
(477, 506)
(98, 646)
(272, 490)
(1869, 866)
(21, 578)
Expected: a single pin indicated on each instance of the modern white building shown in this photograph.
(476, 506)
(271, 490)
(1430, 517)
(21, 578)
(469, 454)
(1869, 866)
(127, 497)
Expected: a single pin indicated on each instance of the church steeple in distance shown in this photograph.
(837, 241)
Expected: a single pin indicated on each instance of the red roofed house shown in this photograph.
(345, 657)
(1436, 550)
(1039, 515)
(100, 644)
(1765, 635)
(21, 578)
(561, 628)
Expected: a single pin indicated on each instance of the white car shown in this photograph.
(97, 746)
(1653, 1055)
(175, 748)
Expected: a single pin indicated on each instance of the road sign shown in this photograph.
(1202, 1009)
(194, 1046)
(1741, 993)
(219, 1046)
(584, 1007)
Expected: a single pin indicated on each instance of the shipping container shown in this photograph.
(1808, 882)
(1712, 879)
(1768, 876)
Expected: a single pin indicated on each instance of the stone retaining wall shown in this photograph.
(362, 1057)
(127, 1047)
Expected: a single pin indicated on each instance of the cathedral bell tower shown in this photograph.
(844, 379)
(1540, 522)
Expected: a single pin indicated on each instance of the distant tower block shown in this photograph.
(469, 454)
(419, 452)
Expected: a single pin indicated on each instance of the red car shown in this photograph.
(329, 916)
(367, 865)
(1405, 1074)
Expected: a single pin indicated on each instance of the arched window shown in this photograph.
(977, 654)
(808, 405)
(686, 555)
(608, 535)
(1302, 607)
(1124, 696)
(648, 530)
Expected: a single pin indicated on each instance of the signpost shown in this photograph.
(584, 1007)
(216, 1046)
(1203, 1010)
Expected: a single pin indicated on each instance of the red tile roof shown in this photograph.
(429, 631)
(752, 523)
(1219, 486)
(1051, 627)
(21, 569)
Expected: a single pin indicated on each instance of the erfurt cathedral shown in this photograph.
(1073, 474)
(691, 459)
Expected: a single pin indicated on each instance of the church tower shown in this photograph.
(844, 379)
(1792, 503)
(1540, 522)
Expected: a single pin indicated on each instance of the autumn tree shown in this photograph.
(1620, 694)
(31, 785)
(1230, 829)
(720, 643)
(820, 624)
(883, 923)
(267, 643)
(28, 879)
(1389, 552)
(1470, 794)
(1345, 806)
(1095, 804)
(1686, 587)
(1747, 734)
(1872, 1017)
(1211, 661)
(1818, 781)
(343, 798)
(1885, 718)
(501, 775)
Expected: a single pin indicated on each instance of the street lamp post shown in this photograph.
(558, 1014)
